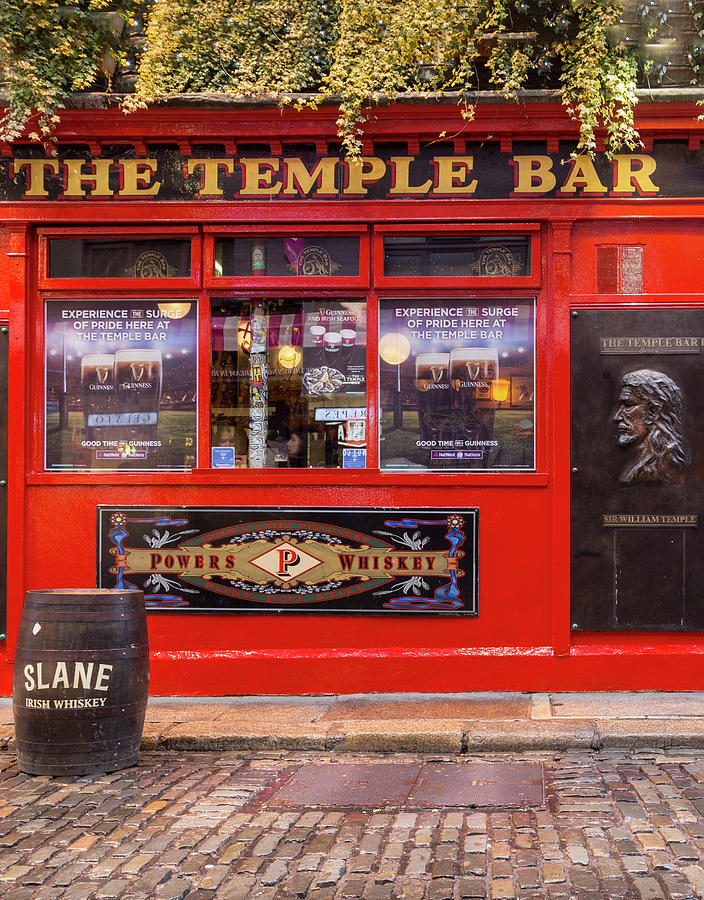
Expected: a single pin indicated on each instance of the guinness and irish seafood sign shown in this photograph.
(298, 560)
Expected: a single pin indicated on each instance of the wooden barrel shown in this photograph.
(81, 679)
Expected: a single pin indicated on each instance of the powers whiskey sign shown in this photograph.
(302, 560)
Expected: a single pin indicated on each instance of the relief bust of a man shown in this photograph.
(649, 421)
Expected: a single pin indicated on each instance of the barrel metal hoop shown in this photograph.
(93, 655)
(128, 740)
(96, 595)
(69, 615)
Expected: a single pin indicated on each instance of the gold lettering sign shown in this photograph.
(633, 520)
(326, 177)
(618, 345)
(309, 562)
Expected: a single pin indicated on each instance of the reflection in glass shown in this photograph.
(288, 382)
(120, 385)
(315, 256)
(486, 256)
(101, 258)
(97, 389)
(456, 384)
(138, 389)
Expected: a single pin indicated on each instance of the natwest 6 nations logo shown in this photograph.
(308, 560)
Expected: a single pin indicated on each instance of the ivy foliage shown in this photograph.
(383, 48)
(603, 94)
(355, 52)
(239, 47)
(48, 50)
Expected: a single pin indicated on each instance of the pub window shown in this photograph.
(288, 383)
(120, 384)
(312, 256)
(123, 258)
(459, 256)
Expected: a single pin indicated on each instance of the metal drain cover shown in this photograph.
(478, 784)
(348, 784)
(411, 785)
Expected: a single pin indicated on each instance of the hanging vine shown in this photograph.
(356, 53)
(383, 48)
(49, 50)
(598, 81)
(240, 47)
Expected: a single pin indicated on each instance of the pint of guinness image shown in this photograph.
(138, 388)
(433, 393)
(97, 390)
(473, 374)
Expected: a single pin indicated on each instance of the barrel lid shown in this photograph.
(61, 595)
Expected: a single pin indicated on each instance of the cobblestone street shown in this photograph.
(202, 825)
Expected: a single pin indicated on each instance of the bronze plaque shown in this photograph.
(637, 469)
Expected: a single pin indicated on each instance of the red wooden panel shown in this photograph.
(672, 255)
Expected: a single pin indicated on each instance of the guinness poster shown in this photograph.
(120, 381)
(457, 384)
(295, 560)
(334, 349)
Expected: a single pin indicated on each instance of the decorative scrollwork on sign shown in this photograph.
(497, 261)
(152, 264)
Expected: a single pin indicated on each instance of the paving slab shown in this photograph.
(650, 732)
(628, 705)
(175, 712)
(274, 714)
(443, 723)
(484, 706)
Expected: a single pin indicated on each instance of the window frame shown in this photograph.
(79, 283)
(209, 288)
(249, 296)
(277, 282)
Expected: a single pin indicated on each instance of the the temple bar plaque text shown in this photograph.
(619, 345)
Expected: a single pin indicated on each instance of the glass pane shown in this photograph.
(314, 257)
(288, 383)
(120, 384)
(83, 258)
(465, 256)
(457, 384)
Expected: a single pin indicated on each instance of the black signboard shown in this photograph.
(457, 384)
(637, 469)
(120, 384)
(223, 559)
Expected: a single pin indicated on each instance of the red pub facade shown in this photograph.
(482, 354)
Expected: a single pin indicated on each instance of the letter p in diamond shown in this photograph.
(286, 562)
